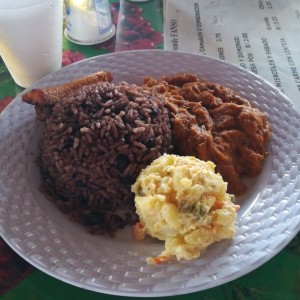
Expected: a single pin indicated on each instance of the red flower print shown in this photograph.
(12, 268)
(5, 101)
(70, 57)
(134, 32)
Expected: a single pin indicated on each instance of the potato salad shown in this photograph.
(183, 201)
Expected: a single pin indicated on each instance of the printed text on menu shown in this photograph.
(259, 35)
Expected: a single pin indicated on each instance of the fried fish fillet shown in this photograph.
(45, 98)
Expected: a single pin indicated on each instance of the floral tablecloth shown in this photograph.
(139, 26)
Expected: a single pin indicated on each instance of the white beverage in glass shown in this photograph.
(88, 22)
(31, 38)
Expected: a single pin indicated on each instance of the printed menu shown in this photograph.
(259, 35)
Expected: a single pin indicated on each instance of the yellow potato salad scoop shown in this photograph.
(182, 201)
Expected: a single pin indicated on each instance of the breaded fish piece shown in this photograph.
(50, 95)
(44, 99)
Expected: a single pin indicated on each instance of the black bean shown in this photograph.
(63, 198)
(80, 184)
(127, 180)
(68, 143)
(130, 97)
(122, 162)
(93, 218)
(82, 200)
(154, 112)
(127, 138)
(120, 222)
(151, 143)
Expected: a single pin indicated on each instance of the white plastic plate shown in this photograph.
(268, 219)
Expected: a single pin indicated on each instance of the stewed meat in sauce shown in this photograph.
(212, 122)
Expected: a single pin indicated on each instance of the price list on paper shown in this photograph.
(262, 36)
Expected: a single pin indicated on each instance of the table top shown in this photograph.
(277, 279)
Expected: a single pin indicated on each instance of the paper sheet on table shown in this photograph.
(259, 35)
